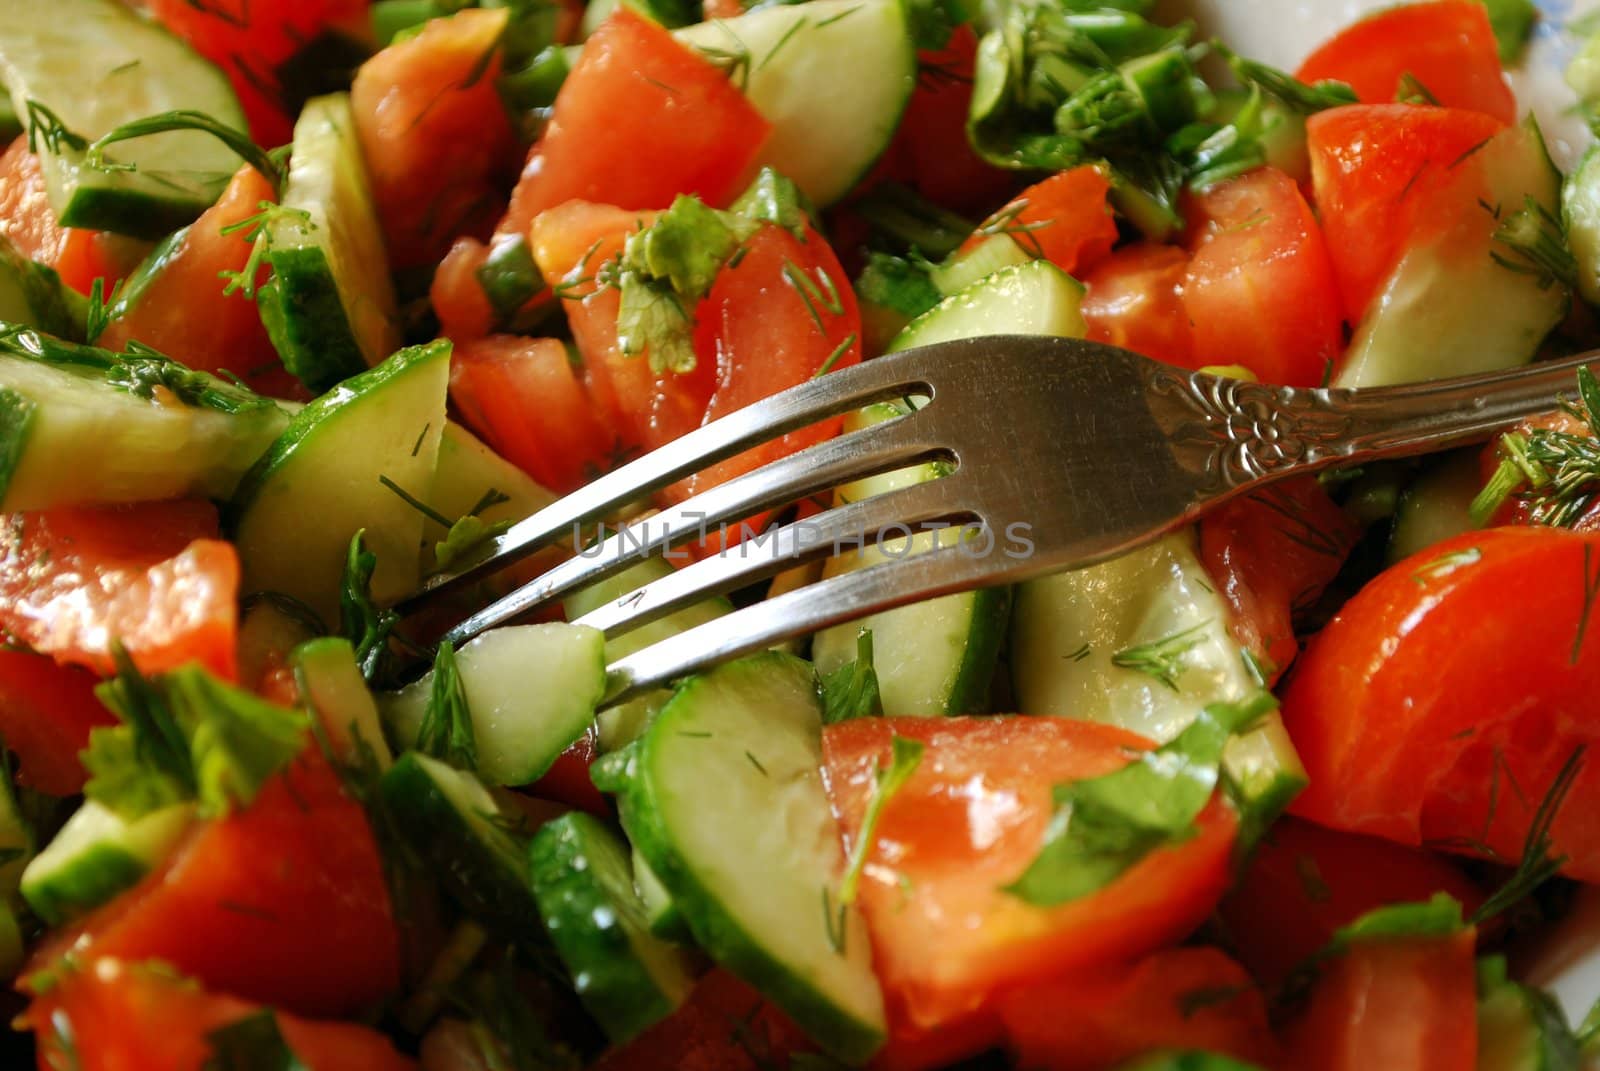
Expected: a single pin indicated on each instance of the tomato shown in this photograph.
(724, 1025)
(118, 1016)
(28, 223)
(428, 91)
(1179, 998)
(1378, 173)
(152, 576)
(1409, 1005)
(1273, 553)
(1134, 299)
(284, 902)
(184, 311)
(1064, 219)
(567, 781)
(251, 41)
(1447, 46)
(1516, 509)
(1260, 288)
(1438, 706)
(1304, 882)
(46, 712)
(945, 934)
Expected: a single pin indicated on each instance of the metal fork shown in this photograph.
(1062, 453)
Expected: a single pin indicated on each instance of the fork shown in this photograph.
(1071, 451)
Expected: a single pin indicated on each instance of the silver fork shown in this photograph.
(1082, 450)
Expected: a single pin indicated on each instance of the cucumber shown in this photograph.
(295, 512)
(583, 883)
(1437, 505)
(269, 630)
(723, 797)
(1283, 137)
(80, 426)
(33, 295)
(828, 129)
(330, 683)
(531, 690)
(466, 471)
(459, 829)
(96, 855)
(97, 65)
(1450, 308)
(666, 921)
(624, 722)
(1036, 298)
(961, 270)
(329, 306)
(1580, 211)
(1070, 630)
(17, 841)
(1519, 1027)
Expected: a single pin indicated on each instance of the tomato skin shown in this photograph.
(415, 96)
(724, 1025)
(46, 712)
(1260, 288)
(1134, 299)
(28, 222)
(284, 902)
(1403, 1004)
(152, 575)
(1431, 685)
(1065, 219)
(1448, 46)
(139, 1017)
(968, 822)
(1377, 175)
(1304, 882)
(568, 781)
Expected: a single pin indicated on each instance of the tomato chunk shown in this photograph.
(46, 712)
(724, 1025)
(1065, 219)
(152, 576)
(970, 820)
(1134, 299)
(29, 223)
(1453, 676)
(1448, 46)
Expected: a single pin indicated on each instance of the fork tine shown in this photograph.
(784, 548)
(821, 398)
(879, 448)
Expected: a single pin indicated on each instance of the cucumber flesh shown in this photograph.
(1520, 1028)
(1580, 207)
(34, 295)
(583, 882)
(96, 855)
(1437, 505)
(666, 921)
(531, 691)
(296, 511)
(962, 270)
(1036, 298)
(723, 797)
(467, 470)
(331, 684)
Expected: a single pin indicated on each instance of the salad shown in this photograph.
(305, 301)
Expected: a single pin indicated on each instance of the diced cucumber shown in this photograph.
(531, 690)
(453, 821)
(329, 306)
(1036, 298)
(621, 724)
(96, 855)
(666, 921)
(583, 883)
(1580, 207)
(723, 797)
(294, 514)
(467, 471)
(96, 65)
(1450, 308)
(827, 130)
(1437, 505)
(1520, 1028)
(80, 425)
(331, 684)
(34, 296)
(1153, 608)
(961, 270)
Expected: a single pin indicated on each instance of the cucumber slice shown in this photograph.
(97, 65)
(1450, 308)
(295, 512)
(583, 883)
(827, 130)
(466, 471)
(748, 850)
(329, 306)
(962, 270)
(1580, 208)
(1437, 505)
(1519, 1027)
(269, 629)
(1036, 298)
(96, 855)
(666, 921)
(531, 690)
(331, 684)
(72, 434)
(33, 295)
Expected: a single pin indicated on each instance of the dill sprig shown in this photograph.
(1163, 658)
(1555, 473)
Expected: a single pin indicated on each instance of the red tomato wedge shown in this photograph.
(46, 712)
(1448, 46)
(421, 94)
(724, 1025)
(1408, 1005)
(284, 902)
(141, 1017)
(1177, 999)
(28, 222)
(1260, 288)
(1304, 882)
(945, 935)
(1377, 173)
(1065, 219)
(1134, 299)
(153, 576)
(1457, 674)
(184, 311)
(1270, 554)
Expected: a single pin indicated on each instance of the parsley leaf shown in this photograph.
(253, 1043)
(772, 198)
(906, 756)
(446, 731)
(851, 691)
(360, 620)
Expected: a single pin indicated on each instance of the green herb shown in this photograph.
(97, 313)
(233, 138)
(933, 21)
(1591, 589)
(46, 128)
(1536, 244)
(1588, 1032)
(143, 764)
(835, 922)
(1437, 917)
(900, 284)
(1212, 154)
(851, 691)
(818, 293)
(255, 229)
(1537, 864)
(446, 731)
(509, 278)
(907, 219)
(1412, 91)
(833, 358)
(360, 620)
(1163, 658)
(467, 537)
(1102, 826)
(774, 199)
(1512, 21)
(1307, 99)
(906, 755)
(1557, 468)
(253, 1043)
